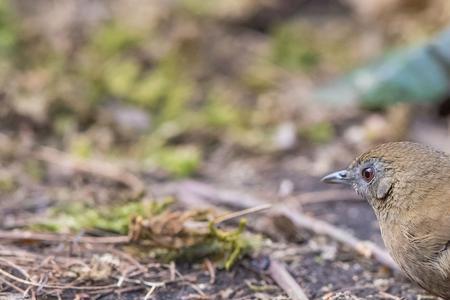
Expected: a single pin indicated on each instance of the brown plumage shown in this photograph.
(408, 186)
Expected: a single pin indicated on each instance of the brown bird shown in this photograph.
(408, 186)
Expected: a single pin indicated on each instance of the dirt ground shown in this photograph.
(324, 268)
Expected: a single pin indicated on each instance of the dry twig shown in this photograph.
(281, 276)
(241, 213)
(325, 196)
(366, 248)
(61, 238)
(15, 287)
(51, 286)
(211, 270)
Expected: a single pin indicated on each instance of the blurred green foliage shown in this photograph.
(81, 146)
(196, 97)
(7, 182)
(180, 161)
(9, 36)
(199, 7)
(318, 133)
(113, 38)
(294, 49)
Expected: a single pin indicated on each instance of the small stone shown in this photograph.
(381, 284)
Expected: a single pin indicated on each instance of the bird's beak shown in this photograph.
(342, 176)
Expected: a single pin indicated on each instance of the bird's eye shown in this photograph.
(368, 174)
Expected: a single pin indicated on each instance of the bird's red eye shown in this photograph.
(368, 174)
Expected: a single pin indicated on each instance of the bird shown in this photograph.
(408, 186)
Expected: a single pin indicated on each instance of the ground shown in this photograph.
(324, 268)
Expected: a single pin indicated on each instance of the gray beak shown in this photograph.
(342, 176)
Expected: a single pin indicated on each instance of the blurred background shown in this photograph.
(264, 96)
(189, 87)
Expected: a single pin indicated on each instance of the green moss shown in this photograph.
(7, 183)
(81, 146)
(9, 35)
(233, 242)
(293, 49)
(114, 218)
(224, 246)
(34, 169)
(163, 89)
(113, 38)
(260, 77)
(199, 7)
(106, 66)
(176, 100)
(120, 76)
(64, 124)
(318, 133)
(180, 161)
(150, 90)
(220, 114)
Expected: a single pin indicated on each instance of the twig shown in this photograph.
(366, 248)
(95, 167)
(211, 270)
(172, 270)
(128, 290)
(144, 282)
(15, 287)
(51, 237)
(226, 198)
(128, 257)
(49, 286)
(281, 276)
(150, 292)
(325, 196)
(241, 213)
(197, 289)
(13, 265)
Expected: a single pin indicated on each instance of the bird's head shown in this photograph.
(393, 175)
